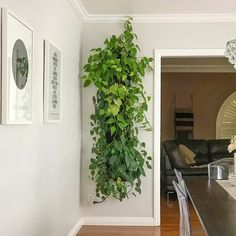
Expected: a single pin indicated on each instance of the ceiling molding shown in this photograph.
(79, 9)
(149, 18)
(163, 18)
(198, 69)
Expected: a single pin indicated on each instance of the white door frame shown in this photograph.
(160, 53)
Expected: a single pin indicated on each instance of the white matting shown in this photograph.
(225, 184)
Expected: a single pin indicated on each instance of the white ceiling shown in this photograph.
(132, 7)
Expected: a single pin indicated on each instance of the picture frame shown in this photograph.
(17, 70)
(52, 83)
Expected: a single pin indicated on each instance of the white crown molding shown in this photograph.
(163, 18)
(79, 9)
(198, 69)
(149, 18)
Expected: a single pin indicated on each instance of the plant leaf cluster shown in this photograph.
(120, 105)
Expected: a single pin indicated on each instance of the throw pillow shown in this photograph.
(187, 154)
(177, 160)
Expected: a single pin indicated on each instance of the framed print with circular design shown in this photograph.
(17, 62)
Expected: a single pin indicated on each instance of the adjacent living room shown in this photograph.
(197, 97)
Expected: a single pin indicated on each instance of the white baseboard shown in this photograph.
(75, 230)
(112, 221)
(119, 221)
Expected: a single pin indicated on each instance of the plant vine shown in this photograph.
(120, 105)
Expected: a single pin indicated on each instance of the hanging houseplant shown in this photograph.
(120, 104)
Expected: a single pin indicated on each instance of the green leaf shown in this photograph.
(143, 144)
(118, 102)
(148, 165)
(104, 67)
(132, 74)
(138, 189)
(113, 89)
(142, 171)
(124, 77)
(127, 160)
(84, 77)
(150, 59)
(120, 117)
(139, 182)
(144, 152)
(90, 59)
(113, 130)
(114, 109)
(110, 121)
(118, 146)
(102, 112)
(122, 125)
(87, 83)
(112, 160)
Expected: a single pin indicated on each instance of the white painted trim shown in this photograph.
(157, 139)
(83, 14)
(162, 18)
(75, 230)
(160, 53)
(111, 221)
(79, 9)
(119, 221)
(198, 69)
(190, 52)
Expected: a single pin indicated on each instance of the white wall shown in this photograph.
(40, 163)
(151, 36)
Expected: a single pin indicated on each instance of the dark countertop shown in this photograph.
(215, 207)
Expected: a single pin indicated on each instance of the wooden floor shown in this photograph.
(169, 225)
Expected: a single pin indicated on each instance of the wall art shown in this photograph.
(52, 83)
(17, 70)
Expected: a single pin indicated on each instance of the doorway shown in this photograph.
(159, 55)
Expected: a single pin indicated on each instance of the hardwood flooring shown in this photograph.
(169, 225)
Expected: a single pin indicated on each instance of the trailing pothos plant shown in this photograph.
(120, 104)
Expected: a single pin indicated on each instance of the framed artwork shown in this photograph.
(17, 70)
(52, 83)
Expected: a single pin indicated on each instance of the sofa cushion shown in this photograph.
(202, 159)
(218, 146)
(198, 146)
(170, 146)
(177, 160)
(187, 154)
(218, 156)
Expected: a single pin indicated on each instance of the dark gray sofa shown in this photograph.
(206, 151)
